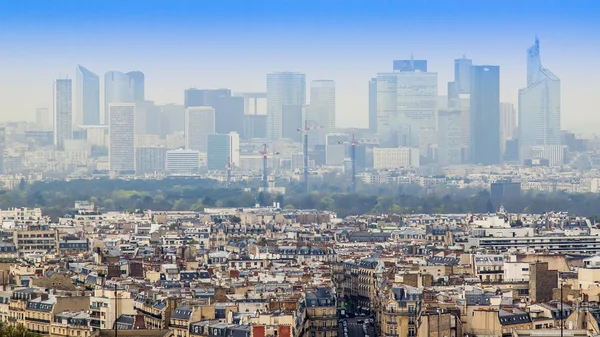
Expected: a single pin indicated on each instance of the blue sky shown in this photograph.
(233, 44)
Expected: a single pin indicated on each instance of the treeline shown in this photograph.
(58, 197)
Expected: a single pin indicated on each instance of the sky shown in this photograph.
(234, 44)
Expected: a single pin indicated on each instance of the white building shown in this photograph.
(394, 158)
(182, 161)
(539, 106)
(283, 88)
(199, 122)
(121, 150)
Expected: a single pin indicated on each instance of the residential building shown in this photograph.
(182, 161)
(394, 158)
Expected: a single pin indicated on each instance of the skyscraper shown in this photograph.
(117, 89)
(450, 137)
(322, 105)
(229, 110)
(485, 115)
(121, 130)
(137, 85)
(43, 119)
(64, 113)
(508, 123)
(387, 107)
(87, 93)
(283, 88)
(539, 106)
(373, 105)
(223, 149)
(410, 65)
(199, 123)
(462, 74)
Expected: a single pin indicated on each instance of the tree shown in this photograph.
(326, 203)
(22, 184)
(395, 208)
(109, 204)
(289, 206)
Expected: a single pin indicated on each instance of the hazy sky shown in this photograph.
(233, 44)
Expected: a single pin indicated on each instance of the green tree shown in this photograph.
(289, 206)
(395, 208)
(326, 203)
(108, 204)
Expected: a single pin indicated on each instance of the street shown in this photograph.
(355, 329)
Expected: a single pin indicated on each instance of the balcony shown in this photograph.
(178, 326)
(31, 319)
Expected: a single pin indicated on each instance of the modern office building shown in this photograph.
(462, 75)
(121, 130)
(199, 123)
(137, 84)
(387, 107)
(373, 105)
(501, 191)
(283, 88)
(182, 161)
(64, 112)
(508, 124)
(485, 115)
(410, 65)
(395, 158)
(87, 97)
(43, 119)
(3, 147)
(117, 89)
(335, 148)
(223, 149)
(539, 106)
(150, 159)
(172, 119)
(450, 133)
(292, 121)
(322, 107)
(255, 126)
(147, 118)
(229, 110)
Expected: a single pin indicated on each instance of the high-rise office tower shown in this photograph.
(450, 136)
(335, 148)
(117, 89)
(43, 119)
(121, 131)
(485, 115)
(199, 123)
(539, 107)
(417, 107)
(87, 97)
(387, 107)
(508, 123)
(64, 112)
(172, 119)
(291, 121)
(223, 150)
(322, 106)
(137, 84)
(462, 75)
(2, 147)
(410, 65)
(283, 88)
(373, 105)
(229, 110)
(147, 118)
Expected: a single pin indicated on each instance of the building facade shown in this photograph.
(121, 129)
(485, 115)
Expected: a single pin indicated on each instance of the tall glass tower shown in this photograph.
(87, 93)
(539, 108)
(64, 112)
(283, 88)
(485, 115)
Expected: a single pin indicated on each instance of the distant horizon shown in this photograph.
(235, 44)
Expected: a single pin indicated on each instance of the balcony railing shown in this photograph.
(32, 319)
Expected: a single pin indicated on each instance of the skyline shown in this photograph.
(348, 45)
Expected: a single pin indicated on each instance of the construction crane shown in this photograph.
(228, 165)
(305, 131)
(265, 154)
(352, 144)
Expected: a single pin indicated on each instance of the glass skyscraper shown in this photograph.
(485, 115)
(539, 107)
(122, 88)
(283, 88)
(87, 93)
(64, 112)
